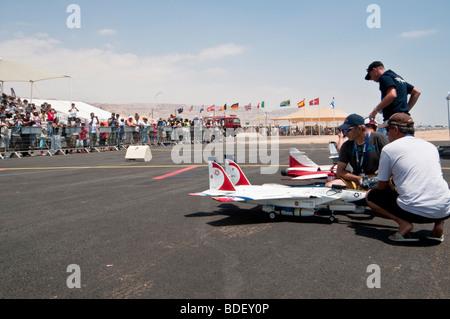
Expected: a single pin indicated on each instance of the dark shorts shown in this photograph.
(387, 199)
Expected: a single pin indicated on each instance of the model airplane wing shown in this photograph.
(310, 176)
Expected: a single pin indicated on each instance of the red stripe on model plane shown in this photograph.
(176, 173)
(223, 199)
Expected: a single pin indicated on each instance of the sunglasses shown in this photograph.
(390, 127)
(349, 129)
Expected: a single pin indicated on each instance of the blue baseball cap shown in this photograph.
(352, 120)
(372, 66)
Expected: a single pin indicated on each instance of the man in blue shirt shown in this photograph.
(394, 91)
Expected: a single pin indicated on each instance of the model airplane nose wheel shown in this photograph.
(333, 218)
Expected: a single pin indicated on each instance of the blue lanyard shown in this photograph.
(360, 161)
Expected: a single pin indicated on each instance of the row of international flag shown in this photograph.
(301, 104)
(248, 107)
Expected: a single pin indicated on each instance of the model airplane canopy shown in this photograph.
(11, 71)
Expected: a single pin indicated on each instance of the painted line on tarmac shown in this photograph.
(175, 173)
(84, 167)
(124, 167)
(186, 168)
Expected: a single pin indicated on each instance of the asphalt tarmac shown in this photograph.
(134, 236)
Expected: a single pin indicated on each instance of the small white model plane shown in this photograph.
(301, 167)
(277, 199)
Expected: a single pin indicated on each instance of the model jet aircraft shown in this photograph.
(277, 199)
(301, 167)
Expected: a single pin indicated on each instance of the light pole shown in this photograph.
(448, 111)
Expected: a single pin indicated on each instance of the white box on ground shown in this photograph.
(139, 153)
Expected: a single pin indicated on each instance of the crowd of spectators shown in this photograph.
(50, 130)
(26, 127)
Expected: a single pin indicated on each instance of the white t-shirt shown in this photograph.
(137, 128)
(416, 169)
(93, 126)
(73, 112)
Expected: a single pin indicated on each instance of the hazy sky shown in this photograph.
(215, 52)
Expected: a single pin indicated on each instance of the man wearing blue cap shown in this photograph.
(361, 152)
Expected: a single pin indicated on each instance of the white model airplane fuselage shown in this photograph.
(274, 198)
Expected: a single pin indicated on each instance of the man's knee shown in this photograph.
(374, 196)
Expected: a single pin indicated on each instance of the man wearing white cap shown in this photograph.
(371, 125)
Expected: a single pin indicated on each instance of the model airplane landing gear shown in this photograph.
(270, 211)
(273, 216)
(333, 218)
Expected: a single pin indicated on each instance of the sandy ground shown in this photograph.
(431, 136)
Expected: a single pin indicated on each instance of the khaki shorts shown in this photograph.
(352, 185)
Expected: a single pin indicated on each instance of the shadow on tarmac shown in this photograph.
(235, 215)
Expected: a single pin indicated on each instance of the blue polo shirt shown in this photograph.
(400, 105)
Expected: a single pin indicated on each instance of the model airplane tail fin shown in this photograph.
(334, 155)
(299, 159)
(235, 173)
(218, 179)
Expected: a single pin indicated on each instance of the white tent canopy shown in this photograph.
(11, 71)
(84, 109)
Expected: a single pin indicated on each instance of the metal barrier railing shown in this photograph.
(64, 140)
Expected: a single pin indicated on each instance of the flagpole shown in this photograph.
(320, 131)
(312, 130)
(334, 115)
(304, 116)
(71, 91)
(31, 96)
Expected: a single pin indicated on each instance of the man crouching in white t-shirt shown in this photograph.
(421, 194)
